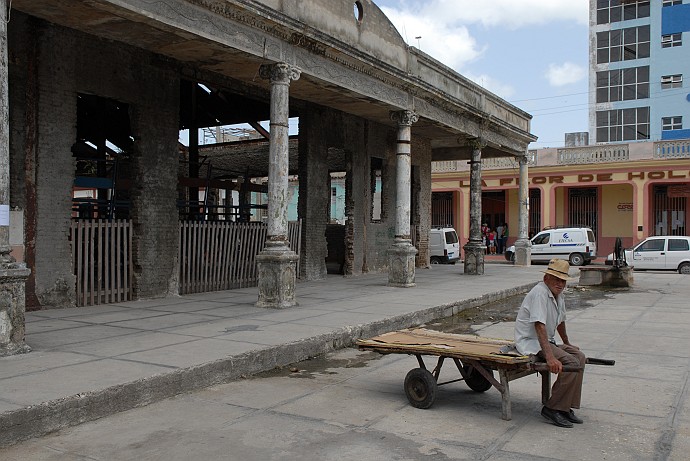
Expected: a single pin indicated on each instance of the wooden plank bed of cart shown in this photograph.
(475, 358)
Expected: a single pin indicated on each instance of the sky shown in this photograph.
(532, 53)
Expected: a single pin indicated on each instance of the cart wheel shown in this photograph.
(420, 388)
(475, 380)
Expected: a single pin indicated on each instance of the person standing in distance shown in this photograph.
(540, 316)
(499, 241)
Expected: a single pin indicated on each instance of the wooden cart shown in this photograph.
(476, 359)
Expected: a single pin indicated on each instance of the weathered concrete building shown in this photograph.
(109, 77)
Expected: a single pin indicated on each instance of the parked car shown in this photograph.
(661, 252)
(575, 244)
(444, 246)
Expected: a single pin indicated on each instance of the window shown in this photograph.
(671, 81)
(623, 84)
(672, 2)
(376, 188)
(672, 123)
(652, 245)
(671, 40)
(622, 124)
(609, 11)
(334, 192)
(541, 239)
(623, 44)
(678, 245)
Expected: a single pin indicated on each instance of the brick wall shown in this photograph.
(421, 187)
(69, 63)
(314, 185)
(56, 128)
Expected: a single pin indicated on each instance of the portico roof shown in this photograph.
(351, 56)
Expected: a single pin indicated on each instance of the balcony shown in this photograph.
(601, 153)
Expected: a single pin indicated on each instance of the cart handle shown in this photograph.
(542, 366)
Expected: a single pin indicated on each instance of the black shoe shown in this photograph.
(570, 416)
(556, 417)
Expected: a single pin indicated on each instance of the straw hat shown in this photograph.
(558, 268)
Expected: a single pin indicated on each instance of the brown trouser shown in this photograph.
(567, 390)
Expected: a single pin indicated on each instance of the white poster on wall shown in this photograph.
(4, 215)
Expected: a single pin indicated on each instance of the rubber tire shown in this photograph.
(420, 388)
(576, 259)
(684, 268)
(435, 260)
(475, 380)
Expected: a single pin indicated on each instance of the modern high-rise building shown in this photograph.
(639, 56)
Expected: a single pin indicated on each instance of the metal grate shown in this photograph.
(582, 208)
(534, 212)
(670, 212)
(442, 209)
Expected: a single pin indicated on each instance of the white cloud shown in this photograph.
(516, 13)
(511, 14)
(451, 44)
(443, 24)
(565, 74)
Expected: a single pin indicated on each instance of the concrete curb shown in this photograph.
(51, 416)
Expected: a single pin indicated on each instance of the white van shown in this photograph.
(575, 244)
(444, 247)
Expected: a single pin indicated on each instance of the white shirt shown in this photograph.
(538, 306)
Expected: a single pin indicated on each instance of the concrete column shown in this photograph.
(12, 274)
(523, 247)
(401, 256)
(475, 248)
(277, 263)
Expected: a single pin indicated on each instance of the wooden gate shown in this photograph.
(102, 261)
(221, 255)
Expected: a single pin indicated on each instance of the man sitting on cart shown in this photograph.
(541, 314)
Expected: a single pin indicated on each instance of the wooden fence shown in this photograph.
(213, 256)
(222, 255)
(102, 261)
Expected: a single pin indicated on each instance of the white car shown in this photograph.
(661, 252)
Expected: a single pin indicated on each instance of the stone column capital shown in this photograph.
(404, 117)
(279, 73)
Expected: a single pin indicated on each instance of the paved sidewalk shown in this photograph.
(91, 362)
(351, 404)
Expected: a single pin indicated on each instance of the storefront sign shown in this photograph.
(586, 178)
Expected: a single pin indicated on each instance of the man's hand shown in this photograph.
(555, 366)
